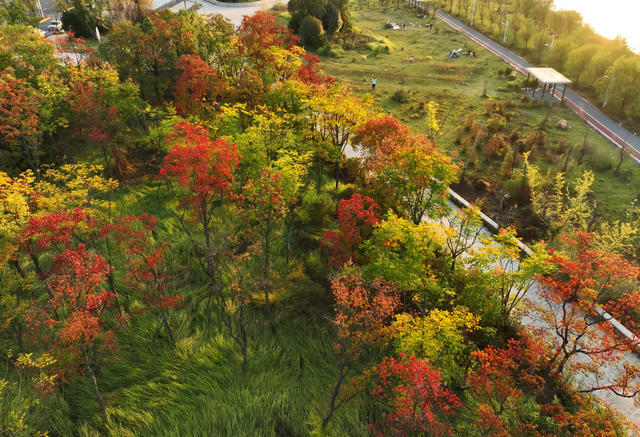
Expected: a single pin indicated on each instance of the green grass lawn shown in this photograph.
(458, 85)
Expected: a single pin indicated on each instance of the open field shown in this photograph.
(458, 85)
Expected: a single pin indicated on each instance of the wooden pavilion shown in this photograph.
(549, 78)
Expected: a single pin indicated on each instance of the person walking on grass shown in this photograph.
(411, 59)
(373, 83)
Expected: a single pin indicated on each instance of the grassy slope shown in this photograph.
(457, 85)
(201, 387)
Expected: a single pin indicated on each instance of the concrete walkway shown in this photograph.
(233, 11)
(585, 110)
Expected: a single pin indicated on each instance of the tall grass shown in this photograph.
(201, 387)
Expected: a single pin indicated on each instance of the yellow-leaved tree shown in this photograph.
(512, 275)
(17, 392)
(561, 208)
(336, 115)
(439, 337)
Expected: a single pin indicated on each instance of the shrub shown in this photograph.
(356, 40)
(495, 145)
(496, 124)
(517, 187)
(496, 107)
(379, 48)
(331, 50)
(401, 96)
(312, 32)
(600, 162)
(558, 147)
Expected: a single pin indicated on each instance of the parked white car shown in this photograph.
(54, 26)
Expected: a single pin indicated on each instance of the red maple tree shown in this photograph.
(309, 72)
(587, 288)
(199, 171)
(198, 88)
(77, 324)
(380, 138)
(356, 216)
(413, 397)
(363, 311)
(146, 264)
(497, 381)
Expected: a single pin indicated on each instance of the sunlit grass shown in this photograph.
(458, 85)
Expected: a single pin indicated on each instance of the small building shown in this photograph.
(549, 78)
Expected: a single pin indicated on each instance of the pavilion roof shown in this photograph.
(548, 76)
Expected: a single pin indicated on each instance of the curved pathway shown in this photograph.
(233, 11)
(608, 128)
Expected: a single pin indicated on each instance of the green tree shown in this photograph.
(312, 32)
(401, 252)
(419, 177)
(512, 275)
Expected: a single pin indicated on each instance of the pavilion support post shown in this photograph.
(564, 88)
(553, 92)
(544, 88)
(533, 92)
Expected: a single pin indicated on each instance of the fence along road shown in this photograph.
(602, 124)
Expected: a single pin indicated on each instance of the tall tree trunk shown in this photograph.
(342, 374)
(92, 375)
(168, 328)
(267, 261)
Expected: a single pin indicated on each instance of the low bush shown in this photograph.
(401, 96)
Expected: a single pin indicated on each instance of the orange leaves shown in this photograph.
(259, 31)
(580, 283)
(19, 106)
(588, 277)
(199, 87)
(363, 310)
(380, 138)
(79, 312)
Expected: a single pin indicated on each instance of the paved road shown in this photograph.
(585, 110)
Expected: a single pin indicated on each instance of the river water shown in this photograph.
(609, 18)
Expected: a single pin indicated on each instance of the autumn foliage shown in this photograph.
(356, 216)
(203, 168)
(576, 293)
(498, 382)
(260, 31)
(363, 312)
(414, 398)
(147, 268)
(77, 281)
(380, 138)
(199, 88)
